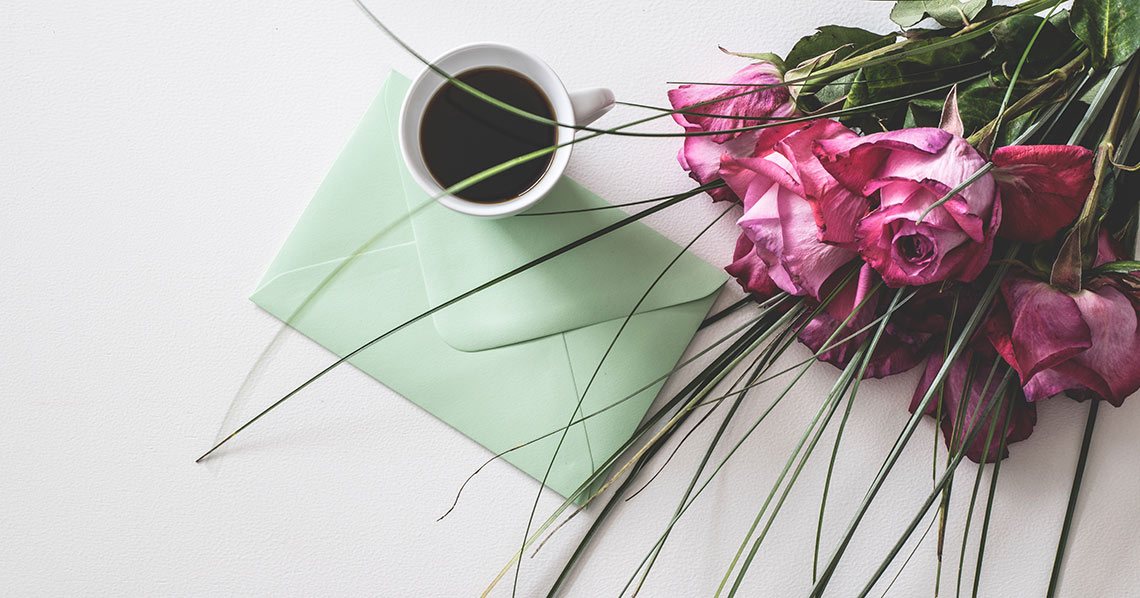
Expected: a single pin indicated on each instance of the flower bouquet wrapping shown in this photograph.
(955, 196)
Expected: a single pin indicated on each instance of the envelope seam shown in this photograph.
(269, 282)
(581, 399)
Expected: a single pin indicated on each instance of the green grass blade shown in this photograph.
(971, 324)
(1074, 494)
(590, 383)
(990, 500)
(994, 402)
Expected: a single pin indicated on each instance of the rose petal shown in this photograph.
(1043, 188)
(780, 221)
(837, 210)
(963, 409)
(701, 156)
(750, 271)
(743, 105)
(1112, 371)
(855, 162)
(899, 349)
(1046, 327)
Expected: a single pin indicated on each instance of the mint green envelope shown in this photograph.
(508, 364)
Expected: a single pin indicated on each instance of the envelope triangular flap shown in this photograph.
(323, 287)
(596, 282)
(359, 199)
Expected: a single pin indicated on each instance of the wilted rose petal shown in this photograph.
(780, 221)
(1084, 343)
(1043, 188)
(750, 271)
(744, 105)
(960, 417)
(839, 328)
(837, 210)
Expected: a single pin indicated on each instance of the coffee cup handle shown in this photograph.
(589, 104)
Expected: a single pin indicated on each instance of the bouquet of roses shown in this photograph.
(956, 197)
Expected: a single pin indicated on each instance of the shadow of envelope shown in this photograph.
(510, 363)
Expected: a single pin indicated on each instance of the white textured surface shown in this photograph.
(154, 155)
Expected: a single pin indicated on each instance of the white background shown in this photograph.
(153, 157)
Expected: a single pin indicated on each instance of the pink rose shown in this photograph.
(906, 340)
(750, 271)
(1082, 343)
(909, 171)
(763, 95)
(1043, 188)
(787, 199)
(1018, 415)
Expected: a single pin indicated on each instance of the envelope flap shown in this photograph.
(360, 205)
(596, 282)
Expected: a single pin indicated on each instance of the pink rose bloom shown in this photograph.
(1043, 188)
(750, 271)
(909, 171)
(1082, 343)
(1018, 415)
(783, 191)
(742, 106)
(905, 341)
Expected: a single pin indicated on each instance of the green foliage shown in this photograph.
(912, 74)
(760, 57)
(948, 13)
(1012, 34)
(1122, 266)
(844, 41)
(1110, 29)
(978, 104)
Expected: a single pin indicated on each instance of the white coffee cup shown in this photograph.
(579, 108)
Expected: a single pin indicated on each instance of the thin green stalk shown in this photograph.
(934, 461)
(762, 362)
(853, 63)
(753, 427)
(1017, 73)
(909, 556)
(827, 346)
(692, 430)
(862, 360)
(996, 401)
(687, 398)
(827, 485)
(590, 383)
(838, 389)
(718, 316)
(1074, 494)
(523, 268)
(753, 322)
(738, 349)
(955, 432)
(993, 489)
(896, 451)
(977, 481)
(688, 497)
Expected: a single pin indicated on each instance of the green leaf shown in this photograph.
(1011, 36)
(978, 104)
(835, 89)
(1110, 29)
(1122, 266)
(759, 56)
(829, 38)
(948, 13)
(913, 74)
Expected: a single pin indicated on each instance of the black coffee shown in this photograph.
(461, 135)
